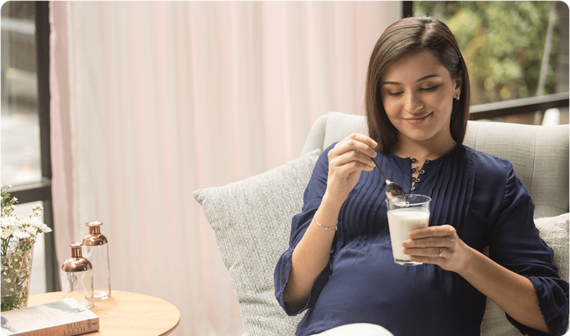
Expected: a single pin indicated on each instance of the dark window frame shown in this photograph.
(407, 9)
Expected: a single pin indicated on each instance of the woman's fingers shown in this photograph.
(359, 142)
(347, 160)
(429, 242)
(352, 156)
(433, 236)
(432, 231)
(349, 167)
(432, 252)
(438, 245)
(352, 153)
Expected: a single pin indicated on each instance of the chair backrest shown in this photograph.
(539, 154)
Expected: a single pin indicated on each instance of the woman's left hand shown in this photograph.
(438, 245)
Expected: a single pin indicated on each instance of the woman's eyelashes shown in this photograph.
(395, 93)
(432, 88)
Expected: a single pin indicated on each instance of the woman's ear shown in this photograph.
(458, 85)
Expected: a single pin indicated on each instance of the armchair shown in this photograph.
(252, 218)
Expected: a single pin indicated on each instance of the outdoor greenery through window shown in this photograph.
(504, 44)
(20, 121)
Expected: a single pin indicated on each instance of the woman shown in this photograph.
(340, 264)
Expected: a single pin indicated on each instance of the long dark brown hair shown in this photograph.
(408, 35)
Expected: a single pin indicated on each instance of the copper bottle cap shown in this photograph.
(94, 238)
(76, 263)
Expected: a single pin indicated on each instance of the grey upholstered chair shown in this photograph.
(539, 155)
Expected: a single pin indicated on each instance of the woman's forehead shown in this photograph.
(414, 66)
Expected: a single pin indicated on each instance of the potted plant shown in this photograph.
(17, 250)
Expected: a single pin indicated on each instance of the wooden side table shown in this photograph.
(126, 313)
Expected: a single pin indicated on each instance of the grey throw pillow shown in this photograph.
(252, 224)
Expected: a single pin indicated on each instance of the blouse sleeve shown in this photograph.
(311, 201)
(515, 243)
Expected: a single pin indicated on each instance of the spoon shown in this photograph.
(393, 190)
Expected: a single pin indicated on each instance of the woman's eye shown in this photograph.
(430, 88)
(394, 93)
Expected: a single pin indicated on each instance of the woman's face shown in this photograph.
(417, 92)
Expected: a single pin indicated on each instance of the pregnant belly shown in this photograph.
(367, 286)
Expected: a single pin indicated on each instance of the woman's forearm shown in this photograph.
(311, 255)
(512, 292)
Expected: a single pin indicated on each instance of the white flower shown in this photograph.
(8, 230)
(35, 222)
(21, 235)
(45, 228)
(26, 221)
(32, 230)
(6, 234)
(11, 221)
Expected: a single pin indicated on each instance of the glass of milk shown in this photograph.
(404, 218)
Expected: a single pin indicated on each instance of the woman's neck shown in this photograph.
(430, 149)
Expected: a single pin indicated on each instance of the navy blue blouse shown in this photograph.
(476, 193)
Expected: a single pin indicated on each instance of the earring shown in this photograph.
(457, 97)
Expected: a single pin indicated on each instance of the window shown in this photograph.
(25, 147)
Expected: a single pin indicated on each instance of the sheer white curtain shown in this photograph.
(152, 100)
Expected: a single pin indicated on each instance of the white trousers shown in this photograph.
(357, 329)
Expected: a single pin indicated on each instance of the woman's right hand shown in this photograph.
(347, 160)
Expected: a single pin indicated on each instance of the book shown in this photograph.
(65, 317)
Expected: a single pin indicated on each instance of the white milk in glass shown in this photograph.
(401, 222)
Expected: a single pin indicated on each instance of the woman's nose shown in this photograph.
(413, 105)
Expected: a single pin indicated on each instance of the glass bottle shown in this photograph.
(96, 249)
(77, 277)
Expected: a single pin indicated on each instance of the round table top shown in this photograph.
(126, 313)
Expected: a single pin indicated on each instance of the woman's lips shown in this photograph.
(417, 120)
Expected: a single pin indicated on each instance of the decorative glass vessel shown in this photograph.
(16, 271)
(96, 249)
(77, 277)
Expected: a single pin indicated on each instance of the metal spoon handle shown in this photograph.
(380, 169)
